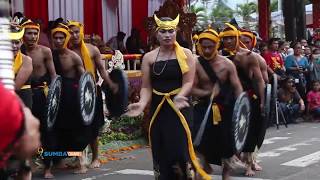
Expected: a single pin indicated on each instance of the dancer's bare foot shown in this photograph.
(256, 167)
(249, 171)
(81, 170)
(95, 164)
(226, 173)
(48, 174)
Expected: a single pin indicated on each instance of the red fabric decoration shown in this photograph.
(93, 17)
(316, 13)
(139, 14)
(264, 19)
(37, 9)
(11, 117)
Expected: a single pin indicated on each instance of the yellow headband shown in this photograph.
(251, 36)
(16, 35)
(80, 26)
(166, 24)
(213, 36)
(232, 32)
(31, 25)
(206, 35)
(63, 30)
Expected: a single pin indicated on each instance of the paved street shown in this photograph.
(291, 153)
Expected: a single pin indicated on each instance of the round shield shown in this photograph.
(265, 120)
(53, 101)
(117, 103)
(267, 102)
(274, 97)
(87, 98)
(240, 121)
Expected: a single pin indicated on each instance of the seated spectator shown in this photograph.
(313, 99)
(291, 102)
(297, 66)
(283, 49)
(116, 42)
(134, 43)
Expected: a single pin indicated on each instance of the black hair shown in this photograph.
(293, 44)
(271, 40)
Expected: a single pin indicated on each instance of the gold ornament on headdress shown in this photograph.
(17, 35)
(166, 24)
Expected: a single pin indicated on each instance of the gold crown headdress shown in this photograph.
(18, 34)
(167, 24)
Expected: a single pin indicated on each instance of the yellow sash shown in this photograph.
(85, 55)
(17, 62)
(166, 97)
(182, 58)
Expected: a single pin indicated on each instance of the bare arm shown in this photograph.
(78, 64)
(146, 87)
(257, 77)
(234, 79)
(49, 62)
(24, 72)
(99, 65)
(263, 67)
(188, 77)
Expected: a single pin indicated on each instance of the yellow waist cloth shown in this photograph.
(166, 97)
(26, 87)
(216, 116)
(45, 88)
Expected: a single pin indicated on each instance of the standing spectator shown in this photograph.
(273, 58)
(314, 66)
(307, 52)
(116, 42)
(283, 49)
(134, 43)
(297, 66)
(290, 100)
(304, 43)
(313, 99)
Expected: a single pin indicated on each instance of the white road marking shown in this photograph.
(282, 150)
(304, 161)
(150, 173)
(273, 139)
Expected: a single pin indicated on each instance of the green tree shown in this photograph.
(221, 12)
(245, 10)
(201, 14)
(274, 5)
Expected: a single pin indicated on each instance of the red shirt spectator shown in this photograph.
(273, 60)
(313, 99)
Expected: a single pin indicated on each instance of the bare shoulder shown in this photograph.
(26, 58)
(150, 55)
(92, 48)
(45, 49)
(187, 51)
(74, 55)
(228, 64)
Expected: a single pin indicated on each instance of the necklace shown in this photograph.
(164, 66)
